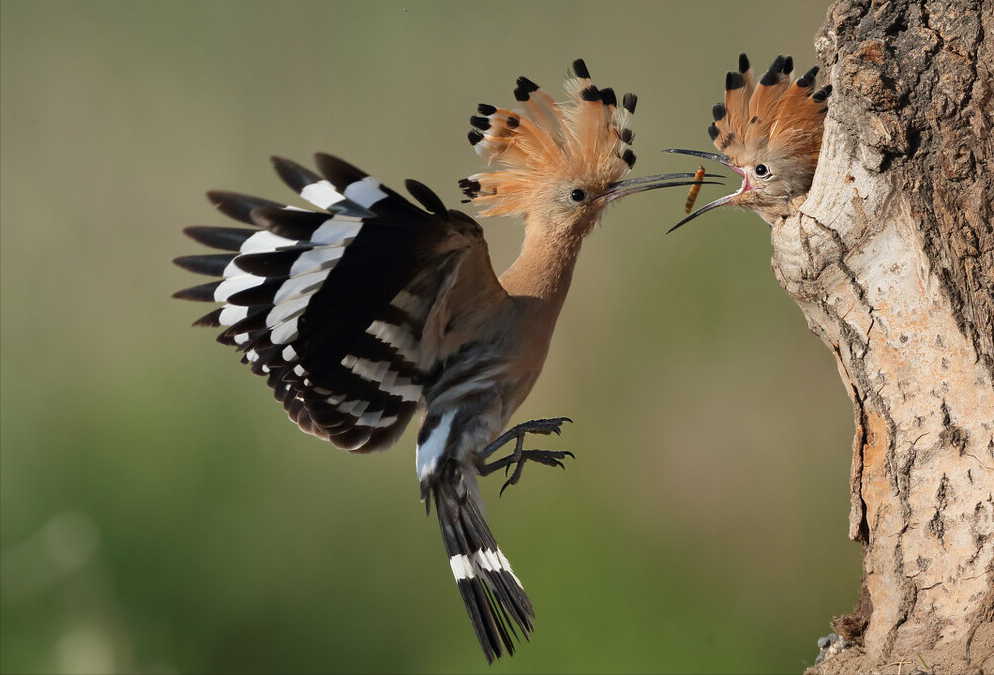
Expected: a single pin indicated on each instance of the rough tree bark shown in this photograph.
(891, 259)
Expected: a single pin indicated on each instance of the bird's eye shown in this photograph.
(577, 195)
(762, 171)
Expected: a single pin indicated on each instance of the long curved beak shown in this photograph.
(714, 157)
(623, 188)
(727, 199)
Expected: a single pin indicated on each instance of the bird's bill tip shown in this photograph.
(713, 156)
(722, 201)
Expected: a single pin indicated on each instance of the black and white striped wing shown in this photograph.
(330, 305)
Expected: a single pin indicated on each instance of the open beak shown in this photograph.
(623, 188)
(721, 159)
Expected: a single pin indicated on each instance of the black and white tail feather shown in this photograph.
(493, 595)
(340, 309)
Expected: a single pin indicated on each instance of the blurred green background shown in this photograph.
(158, 512)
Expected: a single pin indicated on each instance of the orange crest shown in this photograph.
(586, 139)
(776, 118)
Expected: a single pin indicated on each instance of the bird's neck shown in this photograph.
(537, 284)
(544, 269)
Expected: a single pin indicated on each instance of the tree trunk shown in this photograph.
(891, 259)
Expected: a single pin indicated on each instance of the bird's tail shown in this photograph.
(494, 597)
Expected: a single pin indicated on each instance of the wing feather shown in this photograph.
(331, 305)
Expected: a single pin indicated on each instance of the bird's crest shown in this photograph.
(777, 117)
(588, 137)
(770, 134)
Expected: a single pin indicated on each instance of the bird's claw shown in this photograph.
(546, 457)
(519, 456)
(553, 425)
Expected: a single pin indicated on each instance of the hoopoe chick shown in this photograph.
(369, 308)
(770, 135)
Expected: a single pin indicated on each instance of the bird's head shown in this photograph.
(561, 163)
(770, 135)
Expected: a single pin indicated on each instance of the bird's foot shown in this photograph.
(517, 433)
(519, 456)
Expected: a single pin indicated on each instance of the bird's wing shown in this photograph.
(336, 307)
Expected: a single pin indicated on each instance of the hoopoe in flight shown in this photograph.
(770, 134)
(370, 308)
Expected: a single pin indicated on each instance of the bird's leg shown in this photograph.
(519, 456)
